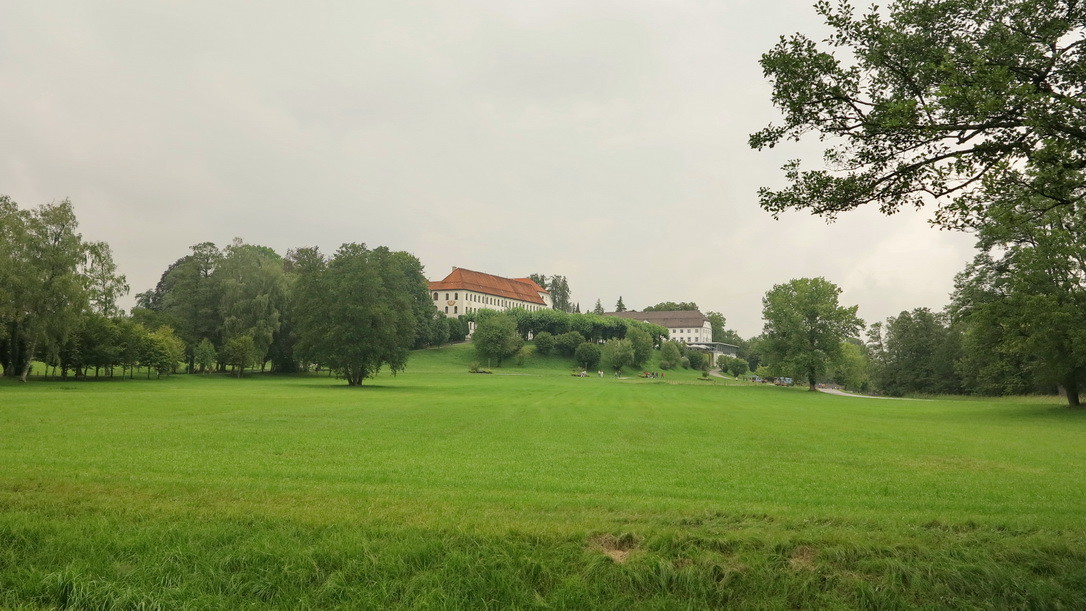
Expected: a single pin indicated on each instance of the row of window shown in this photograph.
(484, 299)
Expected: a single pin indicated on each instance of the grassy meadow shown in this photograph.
(528, 488)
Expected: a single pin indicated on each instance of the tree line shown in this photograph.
(240, 306)
(590, 340)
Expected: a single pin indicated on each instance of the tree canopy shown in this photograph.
(356, 311)
(953, 101)
(672, 306)
(805, 326)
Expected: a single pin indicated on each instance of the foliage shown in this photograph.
(163, 350)
(241, 352)
(356, 311)
(567, 343)
(717, 322)
(587, 355)
(598, 309)
(619, 306)
(617, 353)
(853, 369)
(496, 337)
(670, 355)
(696, 359)
(205, 355)
(558, 287)
(733, 365)
(544, 342)
(641, 342)
(252, 287)
(805, 325)
(523, 354)
(917, 353)
(672, 306)
(947, 99)
(1023, 296)
(49, 279)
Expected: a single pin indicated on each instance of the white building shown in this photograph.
(688, 326)
(465, 291)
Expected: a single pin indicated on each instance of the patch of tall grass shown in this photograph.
(440, 488)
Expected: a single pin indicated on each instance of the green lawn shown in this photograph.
(530, 487)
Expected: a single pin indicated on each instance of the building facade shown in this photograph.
(688, 326)
(465, 291)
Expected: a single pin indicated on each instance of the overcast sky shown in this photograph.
(604, 141)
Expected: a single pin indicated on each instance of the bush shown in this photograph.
(696, 359)
(618, 353)
(544, 342)
(587, 355)
(567, 343)
(523, 354)
(669, 355)
(496, 337)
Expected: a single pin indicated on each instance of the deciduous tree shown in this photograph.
(945, 100)
(805, 325)
(356, 311)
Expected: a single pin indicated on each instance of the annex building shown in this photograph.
(465, 291)
(688, 326)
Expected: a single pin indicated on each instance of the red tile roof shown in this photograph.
(521, 289)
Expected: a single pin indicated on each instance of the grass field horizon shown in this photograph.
(531, 487)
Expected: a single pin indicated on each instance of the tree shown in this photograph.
(717, 322)
(853, 368)
(947, 100)
(252, 290)
(599, 308)
(162, 351)
(241, 352)
(355, 312)
(567, 343)
(673, 306)
(618, 353)
(496, 337)
(44, 290)
(189, 296)
(620, 307)
(544, 342)
(804, 326)
(738, 367)
(560, 293)
(916, 353)
(641, 342)
(587, 355)
(670, 355)
(205, 355)
(1024, 294)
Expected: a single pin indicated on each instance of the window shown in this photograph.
(456, 296)
(435, 296)
(455, 309)
(446, 295)
(446, 309)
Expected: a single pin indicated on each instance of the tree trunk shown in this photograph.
(1071, 388)
(29, 360)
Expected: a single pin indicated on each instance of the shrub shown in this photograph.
(587, 355)
(669, 355)
(567, 343)
(523, 354)
(544, 342)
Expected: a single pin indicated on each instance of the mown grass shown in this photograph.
(529, 487)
